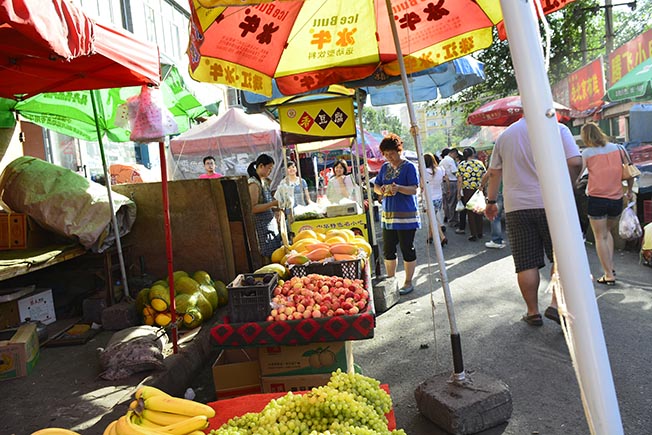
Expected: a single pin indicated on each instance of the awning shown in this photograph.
(636, 85)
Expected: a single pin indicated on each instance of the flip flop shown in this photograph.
(552, 314)
(532, 319)
(605, 281)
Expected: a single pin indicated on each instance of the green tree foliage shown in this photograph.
(379, 120)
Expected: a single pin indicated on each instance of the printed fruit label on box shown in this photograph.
(305, 359)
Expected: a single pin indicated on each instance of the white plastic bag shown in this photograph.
(476, 203)
(459, 206)
(152, 120)
(629, 228)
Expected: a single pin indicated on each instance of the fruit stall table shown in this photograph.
(358, 326)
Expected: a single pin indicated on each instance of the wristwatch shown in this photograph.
(490, 201)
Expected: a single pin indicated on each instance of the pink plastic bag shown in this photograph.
(151, 121)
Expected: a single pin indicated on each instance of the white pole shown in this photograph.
(592, 362)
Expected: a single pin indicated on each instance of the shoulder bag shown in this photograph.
(629, 169)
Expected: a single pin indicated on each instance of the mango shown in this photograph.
(318, 254)
(343, 248)
(298, 259)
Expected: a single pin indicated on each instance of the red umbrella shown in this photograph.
(506, 111)
(51, 46)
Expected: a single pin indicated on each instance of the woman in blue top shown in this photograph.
(396, 183)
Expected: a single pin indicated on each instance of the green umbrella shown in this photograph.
(7, 119)
(636, 85)
(72, 114)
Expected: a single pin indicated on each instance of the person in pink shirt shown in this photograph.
(603, 160)
(209, 166)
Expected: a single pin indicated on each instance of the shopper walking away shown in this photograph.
(469, 179)
(396, 183)
(449, 163)
(263, 206)
(434, 180)
(527, 229)
(603, 160)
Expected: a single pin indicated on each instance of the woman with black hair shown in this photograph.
(340, 185)
(469, 179)
(263, 205)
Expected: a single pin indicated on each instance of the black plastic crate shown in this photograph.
(251, 303)
(351, 269)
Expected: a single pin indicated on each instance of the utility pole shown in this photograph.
(609, 28)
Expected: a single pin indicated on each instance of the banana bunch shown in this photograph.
(155, 412)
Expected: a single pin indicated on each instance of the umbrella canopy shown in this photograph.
(635, 85)
(71, 112)
(506, 111)
(442, 81)
(309, 45)
(53, 30)
(117, 58)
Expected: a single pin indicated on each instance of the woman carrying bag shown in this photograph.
(604, 161)
(469, 179)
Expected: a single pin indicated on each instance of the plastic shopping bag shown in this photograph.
(152, 121)
(629, 228)
(476, 203)
(459, 206)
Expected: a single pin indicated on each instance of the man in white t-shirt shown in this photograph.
(448, 162)
(525, 216)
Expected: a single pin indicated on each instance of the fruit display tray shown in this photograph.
(304, 331)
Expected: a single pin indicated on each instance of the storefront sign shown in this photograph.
(586, 86)
(310, 121)
(623, 59)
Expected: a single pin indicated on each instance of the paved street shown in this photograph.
(408, 348)
(533, 362)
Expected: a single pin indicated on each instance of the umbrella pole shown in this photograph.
(370, 198)
(584, 328)
(168, 245)
(114, 220)
(458, 364)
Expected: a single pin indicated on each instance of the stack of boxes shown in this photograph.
(239, 372)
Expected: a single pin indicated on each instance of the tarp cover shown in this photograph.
(235, 139)
(65, 202)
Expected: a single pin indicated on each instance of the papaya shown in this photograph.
(318, 254)
(159, 297)
(222, 293)
(298, 259)
(204, 306)
(202, 277)
(343, 248)
(187, 285)
(183, 302)
(210, 294)
(192, 318)
(343, 257)
(314, 246)
(142, 299)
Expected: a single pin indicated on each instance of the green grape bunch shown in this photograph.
(349, 404)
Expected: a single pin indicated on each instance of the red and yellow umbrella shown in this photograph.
(308, 44)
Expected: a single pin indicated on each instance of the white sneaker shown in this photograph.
(493, 245)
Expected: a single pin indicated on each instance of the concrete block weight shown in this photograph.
(477, 404)
(385, 293)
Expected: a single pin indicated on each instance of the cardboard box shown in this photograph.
(341, 210)
(309, 359)
(236, 372)
(38, 306)
(277, 384)
(18, 355)
(13, 231)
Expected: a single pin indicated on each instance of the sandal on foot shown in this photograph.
(532, 319)
(605, 281)
(552, 314)
(405, 290)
